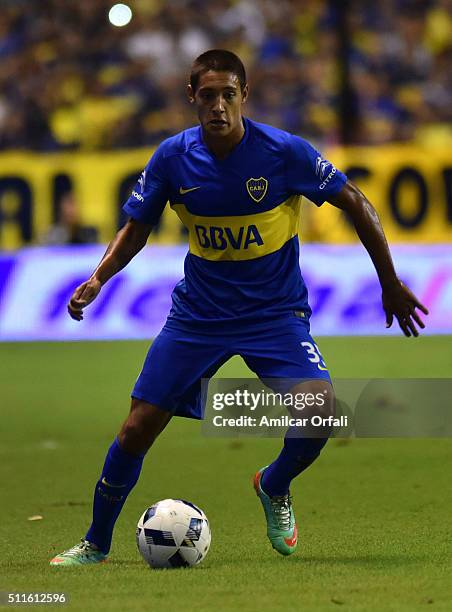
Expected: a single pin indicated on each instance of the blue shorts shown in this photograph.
(180, 358)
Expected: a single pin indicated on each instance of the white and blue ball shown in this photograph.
(173, 533)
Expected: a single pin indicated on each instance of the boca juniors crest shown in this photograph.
(257, 188)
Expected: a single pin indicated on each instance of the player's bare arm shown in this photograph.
(398, 300)
(125, 245)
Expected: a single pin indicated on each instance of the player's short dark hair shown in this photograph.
(219, 60)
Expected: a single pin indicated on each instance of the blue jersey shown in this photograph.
(242, 215)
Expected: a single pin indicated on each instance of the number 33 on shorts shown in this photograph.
(314, 355)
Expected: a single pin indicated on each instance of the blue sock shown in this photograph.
(296, 455)
(119, 475)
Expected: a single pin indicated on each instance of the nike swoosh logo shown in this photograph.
(293, 540)
(183, 191)
(103, 481)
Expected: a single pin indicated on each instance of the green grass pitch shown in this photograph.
(375, 515)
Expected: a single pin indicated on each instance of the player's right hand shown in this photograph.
(82, 296)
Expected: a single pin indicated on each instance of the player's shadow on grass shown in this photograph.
(370, 560)
(69, 503)
(140, 565)
(127, 563)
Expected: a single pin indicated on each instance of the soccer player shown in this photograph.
(236, 185)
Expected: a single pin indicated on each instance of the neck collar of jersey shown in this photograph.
(234, 151)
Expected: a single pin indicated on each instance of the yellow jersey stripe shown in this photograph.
(241, 237)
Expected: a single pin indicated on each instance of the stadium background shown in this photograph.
(368, 85)
(82, 105)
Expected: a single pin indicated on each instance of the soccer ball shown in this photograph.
(173, 533)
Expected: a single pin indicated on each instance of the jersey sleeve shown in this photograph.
(309, 174)
(151, 192)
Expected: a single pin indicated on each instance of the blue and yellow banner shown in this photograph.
(410, 187)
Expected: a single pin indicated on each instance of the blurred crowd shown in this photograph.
(71, 80)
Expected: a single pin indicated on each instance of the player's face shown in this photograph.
(219, 100)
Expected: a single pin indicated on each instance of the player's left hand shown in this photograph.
(400, 302)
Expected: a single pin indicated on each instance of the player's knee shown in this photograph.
(314, 398)
(142, 427)
(131, 437)
(130, 430)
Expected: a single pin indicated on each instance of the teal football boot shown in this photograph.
(281, 526)
(80, 554)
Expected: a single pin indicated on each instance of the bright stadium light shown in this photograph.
(120, 15)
